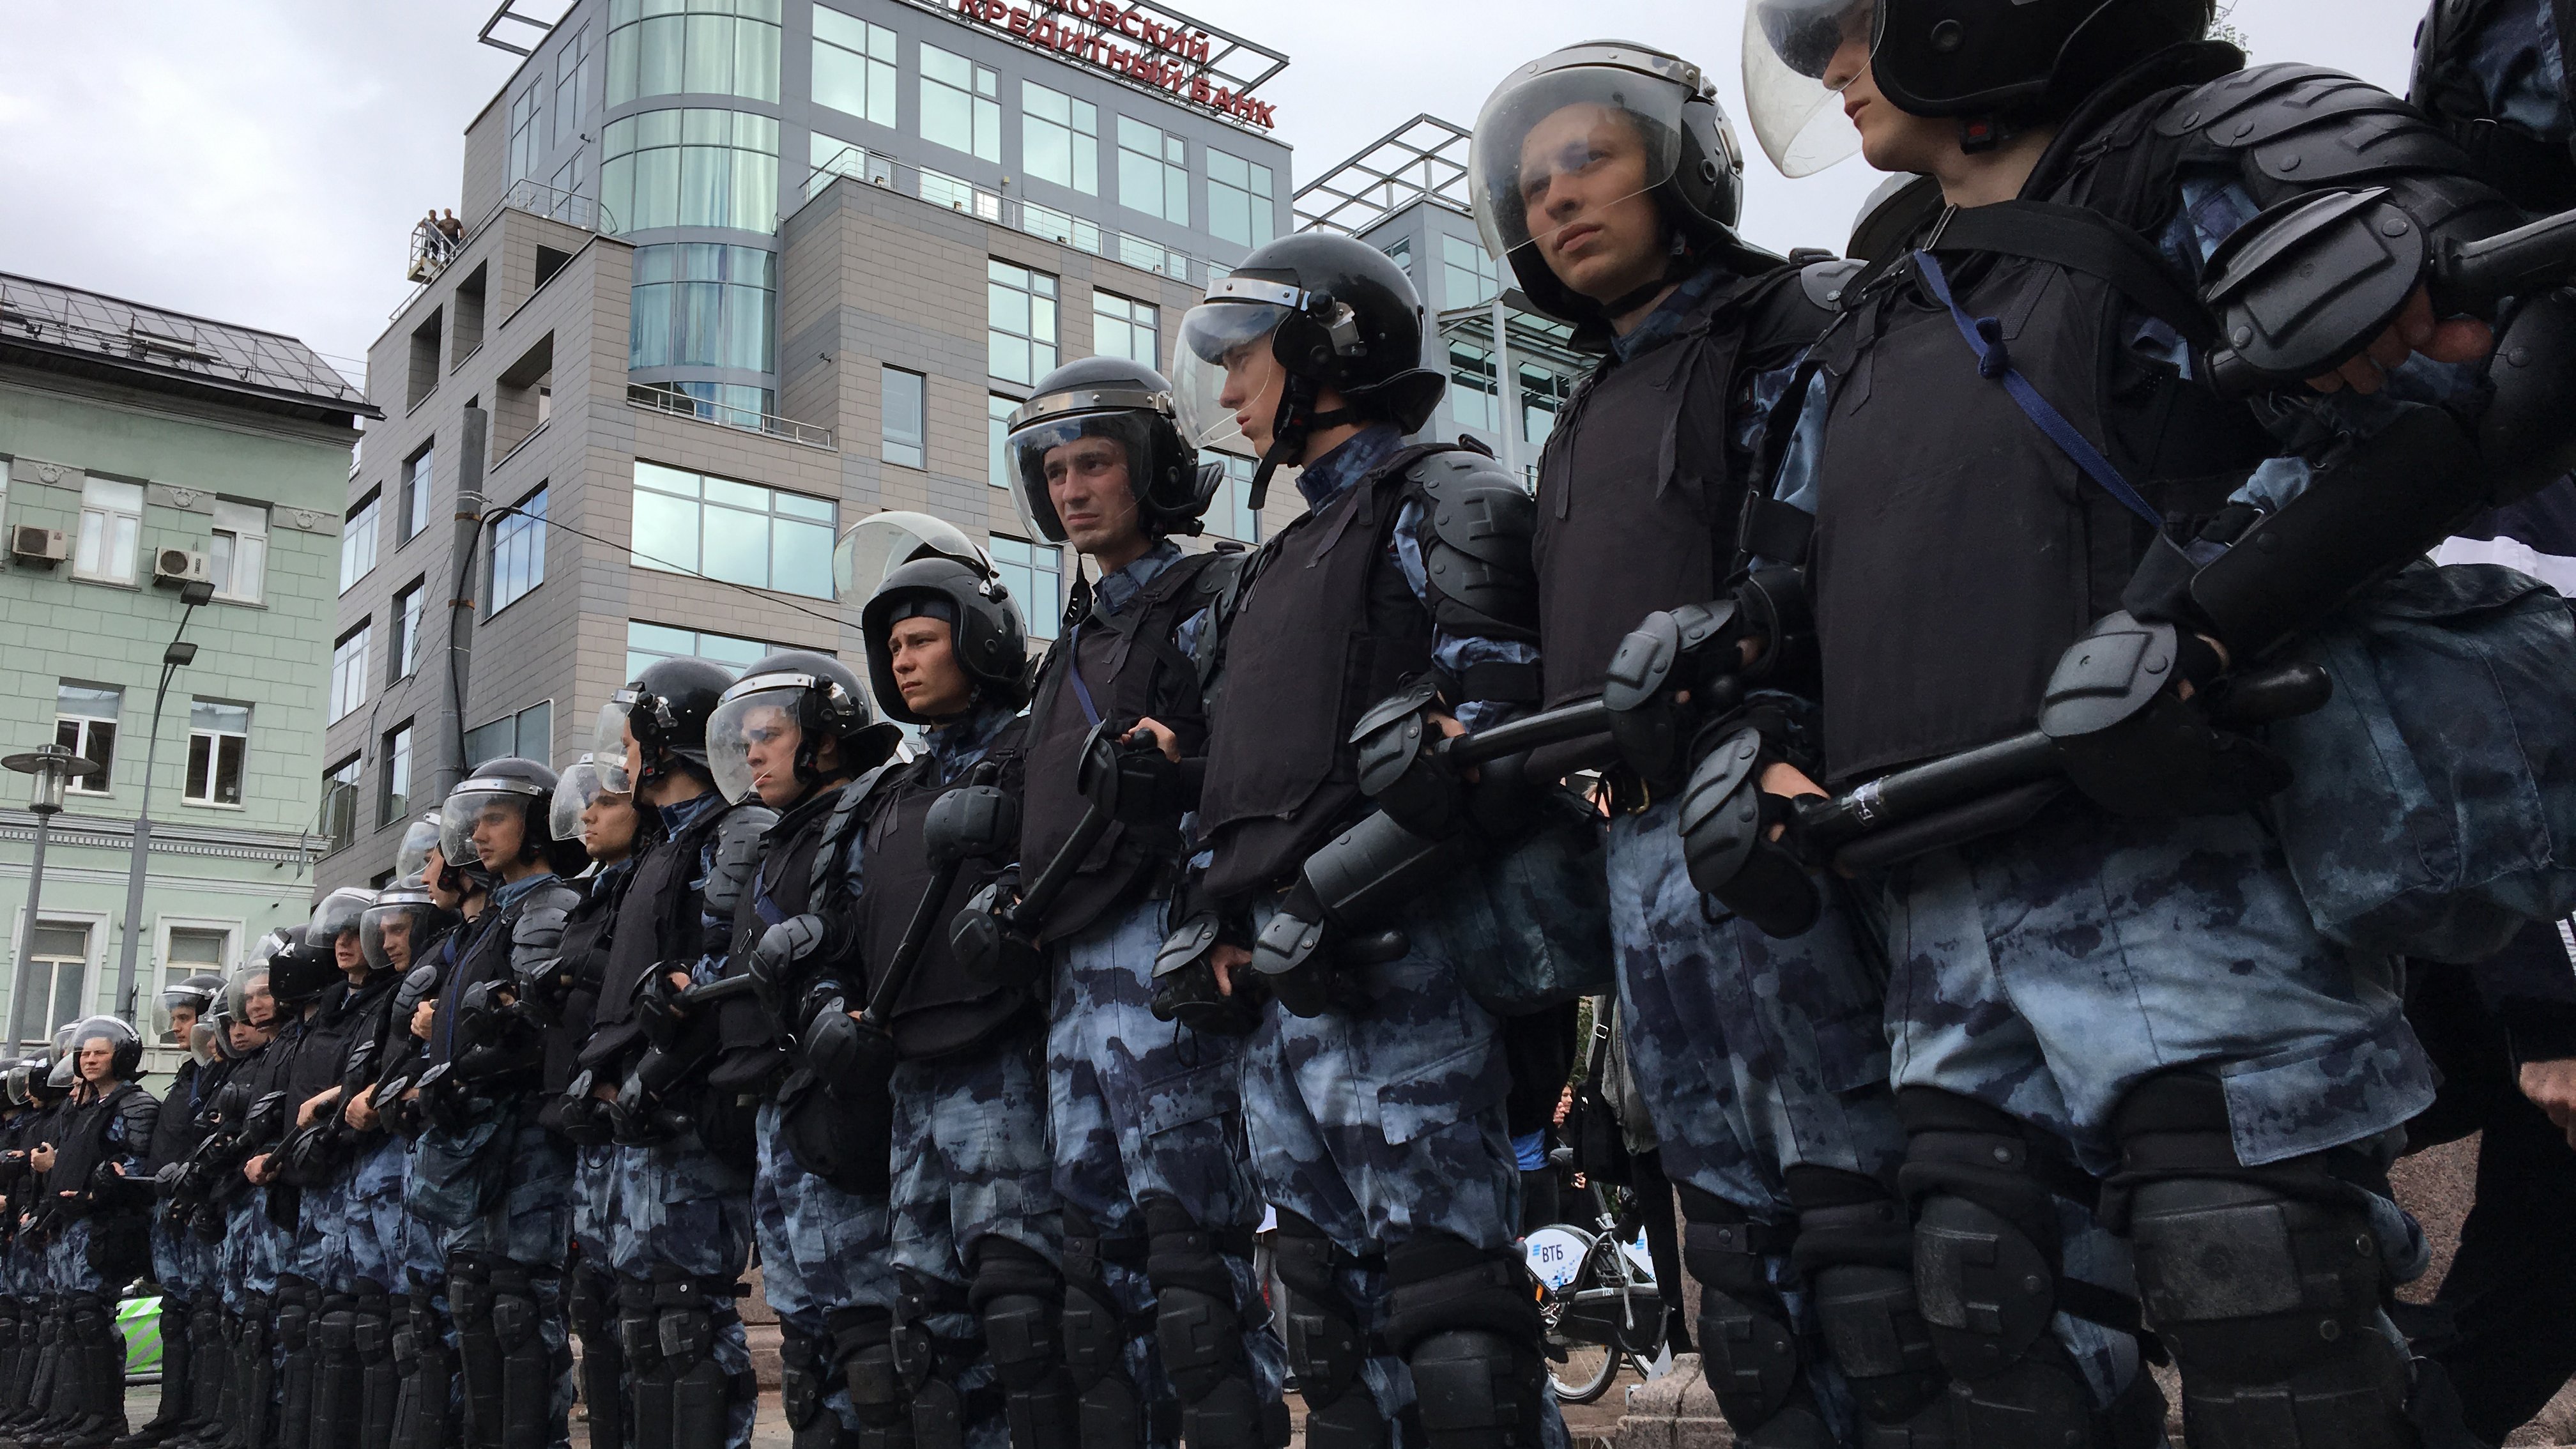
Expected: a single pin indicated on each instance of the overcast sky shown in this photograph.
(262, 161)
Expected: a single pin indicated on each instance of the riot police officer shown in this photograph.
(977, 1229)
(2122, 980)
(792, 735)
(684, 1240)
(1375, 1106)
(278, 982)
(47, 1083)
(594, 803)
(1160, 1205)
(1607, 178)
(96, 1190)
(486, 1173)
(178, 1264)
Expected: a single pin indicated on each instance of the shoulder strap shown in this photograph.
(2086, 241)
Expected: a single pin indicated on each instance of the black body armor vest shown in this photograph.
(587, 934)
(754, 1039)
(1637, 495)
(1958, 552)
(1327, 626)
(347, 1017)
(1133, 669)
(942, 1010)
(487, 957)
(658, 922)
(82, 1148)
(175, 1132)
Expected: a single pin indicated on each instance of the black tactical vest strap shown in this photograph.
(942, 1010)
(2085, 241)
(658, 920)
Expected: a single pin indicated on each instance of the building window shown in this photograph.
(1242, 202)
(527, 140)
(1467, 275)
(358, 540)
(1034, 573)
(111, 523)
(997, 431)
(402, 651)
(1059, 138)
(393, 802)
(349, 672)
(690, 168)
(218, 747)
(570, 63)
(854, 66)
(529, 735)
(1152, 175)
(238, 560)
(1471, 385)
(1543, 395)
(417, 472)
(1401, 251)
(85, 724)
(708, 47)
(737, 533)
(960, 105)
(703, 304)
(1124, 328)
(1231, 514)
(193, 951)
(339, 820)
(519, 551)
(650, 644)
(1022, 322)
(905, 411)
(61, 959)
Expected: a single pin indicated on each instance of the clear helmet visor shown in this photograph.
(578, 790)
(880, 543)
(753, 738)
(390, 933)
(497, 816)
(108, 1029)
(246, 998)
(201, 1043)
(1226, 344)
(1098, 459)
(65, 1072)
(1562, 147)
(411, 858)
(608, 744)
(1789, 50)
(337, 915)
(178, 1004)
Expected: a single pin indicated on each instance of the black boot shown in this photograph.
(178, 1357)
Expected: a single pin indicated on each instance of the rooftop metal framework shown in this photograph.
(1425, 159)
(509, 12)
(49, 317)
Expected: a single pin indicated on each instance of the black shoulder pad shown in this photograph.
(2220, 107)
(1824, 282)
(1476, 555)
(848, 818)
(737, 854)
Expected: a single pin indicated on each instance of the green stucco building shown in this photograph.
(141, 449)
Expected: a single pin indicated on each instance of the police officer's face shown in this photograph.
(771, 738)
(1088, 482)
(1890, 139)
(183, 1019)
(434, 869)
(246, 1036)
(1253, 380)
(1584, 199)
(96, 1055)
(634, 752)
(259, 1006)
(396, 932)
(926, 671)
(346, 952)
(498, 831)
(608, 827)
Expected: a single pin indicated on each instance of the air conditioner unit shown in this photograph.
(45, 547)
(174, 567)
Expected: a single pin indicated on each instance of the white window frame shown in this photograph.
(94, 922)
(386, 814)
(246, 524)
(666, 500)
(1261, 212)
(1044, 339)
(104, 782)
(349, 670)
(1042, 622)
(214, 760)
(904, 452)
(508, 534)
(357, 531)
(997, 431)
(359, 762)
(97, 557)
(418, 482)
(408, 611)
(163, 928)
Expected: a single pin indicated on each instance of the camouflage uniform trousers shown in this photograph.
(596, 1211)
(971, 1162)
(2047, 972)
(254, 1247)
(372, 1219)
(821, 1250)
(181, 1261)
(530, 1225)
(1382, 1121)
(1142, 1107)
(682, 1207)
(1753, 1054)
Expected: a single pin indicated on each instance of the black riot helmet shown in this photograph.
(125, 1061)
(984, 628)
(195, 995)
(1125, 403)
(667, 707)
(1337, 313)
(505, 784)
(1997, 65)
(299, 967)
(415, 919)
(822, 697)
(1575, 108)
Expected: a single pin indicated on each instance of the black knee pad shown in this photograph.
(1465, 1322)
(1477, 1390)
(1095, 1331)
(519, 1308)
(1018, 1297)
(1855, 1249)
(881, 1395)
(1751, 1353)
(1196, 1324)
(1326, 1344)
(1349, 1422)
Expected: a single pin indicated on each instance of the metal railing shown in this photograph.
(433, 250)
(938, 188)
(681, 405)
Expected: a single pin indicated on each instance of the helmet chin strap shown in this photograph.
(1290, 427)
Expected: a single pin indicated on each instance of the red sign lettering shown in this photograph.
(1186, 79)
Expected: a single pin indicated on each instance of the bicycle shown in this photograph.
(1598, 1299)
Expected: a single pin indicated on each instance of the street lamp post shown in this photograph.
(54, 767)
(173, 659)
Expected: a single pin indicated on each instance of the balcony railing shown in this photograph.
(433, 249)
(941, 189)
(681, 405)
